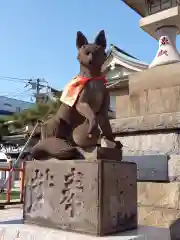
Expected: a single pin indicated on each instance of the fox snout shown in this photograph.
(92, 58)
(92, 55)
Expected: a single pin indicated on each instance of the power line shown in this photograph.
(35, 84)
(29, 81)
(17, 91)
(13, 79)
(16, 78)
(10, 93)
(14, 95)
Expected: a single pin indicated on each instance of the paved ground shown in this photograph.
(12, 228)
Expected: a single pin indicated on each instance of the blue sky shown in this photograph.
(37, 37)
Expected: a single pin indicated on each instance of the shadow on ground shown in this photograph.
(175, 230)
(16, 221)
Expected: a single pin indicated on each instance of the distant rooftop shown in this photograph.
(126, 57)
(122, 51)
(14, 99)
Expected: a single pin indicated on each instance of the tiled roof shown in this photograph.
(113, 47)
(125, 56)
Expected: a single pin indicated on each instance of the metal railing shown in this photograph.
(6, 194)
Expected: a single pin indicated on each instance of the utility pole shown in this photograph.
(37, 85)
(37, 89)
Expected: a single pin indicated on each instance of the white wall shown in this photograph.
(126, 71)
(13, 105)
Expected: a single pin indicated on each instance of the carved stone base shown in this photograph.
(95, 153)
(94, 197)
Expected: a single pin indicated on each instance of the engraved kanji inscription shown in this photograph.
(40, 178)
(73, 186)
(39, 181)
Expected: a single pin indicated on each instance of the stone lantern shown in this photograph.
(161, 19)
(155, 6)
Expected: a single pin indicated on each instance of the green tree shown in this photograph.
(29, 116)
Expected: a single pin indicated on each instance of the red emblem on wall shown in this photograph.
(162, 52)
(164, 41)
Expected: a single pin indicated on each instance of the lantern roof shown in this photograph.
(137, 5)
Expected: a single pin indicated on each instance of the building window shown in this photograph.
(7, 104)
(18, 109)
(113, 102)
(112, 108)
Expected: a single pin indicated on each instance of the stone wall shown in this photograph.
(151, 144)
(155, 144)
(153, 91)
(151, 101)
(159, 205)
(148, 123)
(164, 76)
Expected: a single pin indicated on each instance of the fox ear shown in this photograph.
(80, 40)
(101, 39)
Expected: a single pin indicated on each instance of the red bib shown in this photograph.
(73, 88)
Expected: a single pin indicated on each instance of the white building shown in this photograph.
(9, 106)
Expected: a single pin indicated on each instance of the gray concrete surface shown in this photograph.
(12, 228)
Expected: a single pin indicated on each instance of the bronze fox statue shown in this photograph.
(77, 122)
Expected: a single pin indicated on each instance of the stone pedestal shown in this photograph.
(95, 197)
(99, 152)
